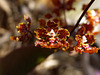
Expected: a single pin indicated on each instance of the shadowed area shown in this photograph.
(21, 61)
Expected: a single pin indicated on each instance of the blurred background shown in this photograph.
(60, 63)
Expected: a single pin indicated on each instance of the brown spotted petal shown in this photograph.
(79, 40)
(42, 22)
(63, 33)
(52, 24)
(90, 38)
(88, 27)
(48, 16)
(41, 32)
(65, 44)
(56, 20)
(21, 28)
(91, 50)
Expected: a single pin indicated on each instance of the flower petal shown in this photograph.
(52, 24)
(42, 22)
(41, 32)
(22, 28)
(48, 16)
(90, 38)
(79, 40)
(63, 33)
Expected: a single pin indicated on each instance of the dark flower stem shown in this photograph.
(76, 25)
(33, 35)
(64, 13)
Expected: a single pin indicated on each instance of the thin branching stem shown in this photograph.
(76, 25)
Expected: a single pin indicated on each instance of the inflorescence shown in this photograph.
(51, 34)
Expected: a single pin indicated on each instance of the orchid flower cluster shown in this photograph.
(50, 34)
(23, 29)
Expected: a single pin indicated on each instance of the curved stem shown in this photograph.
(76, 25)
